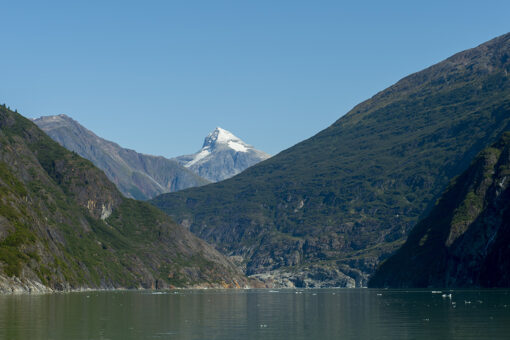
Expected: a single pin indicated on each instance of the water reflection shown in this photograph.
(257, 314)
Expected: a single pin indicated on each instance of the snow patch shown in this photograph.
(199, 156)
(237, 146)
(224, 136)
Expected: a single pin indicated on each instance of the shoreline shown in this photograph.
(16, 286)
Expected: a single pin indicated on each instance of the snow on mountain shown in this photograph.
(222, 156)
(198, 157)
(223, 137)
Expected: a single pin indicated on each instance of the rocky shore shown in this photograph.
(13, 285)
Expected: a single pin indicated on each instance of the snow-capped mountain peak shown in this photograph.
(223, 155)
(223, 137)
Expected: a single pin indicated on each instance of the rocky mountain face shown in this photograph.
(222, 156)
(328, 210)
(136, 175)
(64, 225)
(464, 241)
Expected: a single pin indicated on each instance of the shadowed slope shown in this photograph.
(464, 240)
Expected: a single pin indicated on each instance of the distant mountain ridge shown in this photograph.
(326, 211)
(222, 156)
(136, 175)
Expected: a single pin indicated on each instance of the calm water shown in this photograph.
(258, 314)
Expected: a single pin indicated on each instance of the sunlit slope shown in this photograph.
(64, 225)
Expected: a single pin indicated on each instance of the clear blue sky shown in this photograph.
(157, 76)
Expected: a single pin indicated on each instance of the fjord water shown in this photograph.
(258, 314)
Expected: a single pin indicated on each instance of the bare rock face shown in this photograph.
(14, 285)
(64, 226)
(464, 241)
(136, 175)
(315, 276)
(222, 156)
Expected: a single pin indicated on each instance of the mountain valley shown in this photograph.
(136, 175)
(425, 160)
(142, 176)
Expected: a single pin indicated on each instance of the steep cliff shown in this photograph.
(465, 240)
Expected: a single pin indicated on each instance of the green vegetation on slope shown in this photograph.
(63, 224)
(464, 240)
(350, 194)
